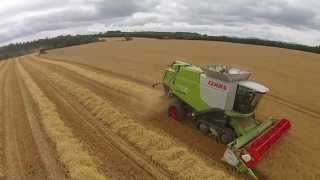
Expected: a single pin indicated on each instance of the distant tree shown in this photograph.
(18, 49)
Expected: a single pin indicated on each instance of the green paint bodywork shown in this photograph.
(252, 133)
(236, 118)
(238, 144)
(184, 82)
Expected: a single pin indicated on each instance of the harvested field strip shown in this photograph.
(106, 72)
(35, 163)
(162, 149)
(76, 159)
(151, 112)
(120, 85)
(116, 158)
(14, 165)
(46, 150)
(3, 71)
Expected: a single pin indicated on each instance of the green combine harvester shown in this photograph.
(223, 102)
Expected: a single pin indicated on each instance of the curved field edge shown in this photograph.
(76, 159)
(179, 161)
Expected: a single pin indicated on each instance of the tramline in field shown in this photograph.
(223, 101)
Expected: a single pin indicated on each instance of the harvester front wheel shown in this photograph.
(176, 110)
(225, 136)
(203, 127)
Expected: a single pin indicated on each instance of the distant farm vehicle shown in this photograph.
(223, 102)
(42, 51)
(128, 38)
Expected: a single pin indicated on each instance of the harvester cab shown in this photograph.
(223, 101)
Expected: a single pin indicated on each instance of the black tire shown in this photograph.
(203, 128)
(176, 106)
(225, 136)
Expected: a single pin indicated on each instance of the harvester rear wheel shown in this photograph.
(176, 110)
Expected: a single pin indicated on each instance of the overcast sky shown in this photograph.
(284, 20)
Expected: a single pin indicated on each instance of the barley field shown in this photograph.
(90, 112)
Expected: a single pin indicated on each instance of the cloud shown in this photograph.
(38, 16)
(285, 20)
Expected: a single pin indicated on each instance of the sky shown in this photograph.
(296, 21)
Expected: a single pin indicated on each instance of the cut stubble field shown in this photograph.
(89, 112)
(291, 75)
(57, 128)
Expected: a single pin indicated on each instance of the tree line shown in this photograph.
(22, 48)
(197, 36)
